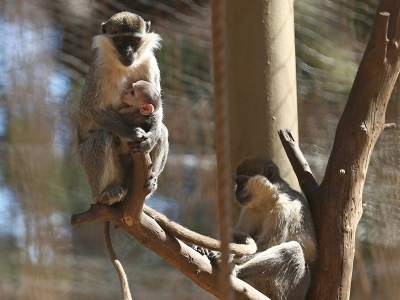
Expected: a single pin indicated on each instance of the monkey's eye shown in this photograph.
(134, 40)
(270, 174)
(118, 40)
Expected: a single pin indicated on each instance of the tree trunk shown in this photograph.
(337, 208)
(261, 80)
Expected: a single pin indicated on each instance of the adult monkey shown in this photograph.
(123, 54)
(279, 220)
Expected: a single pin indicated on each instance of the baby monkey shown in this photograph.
(144, 112)
(142, 98)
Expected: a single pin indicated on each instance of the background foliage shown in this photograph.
(44, 54)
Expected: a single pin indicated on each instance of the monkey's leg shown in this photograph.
(159, 157)
(102, 172)
(279, 272)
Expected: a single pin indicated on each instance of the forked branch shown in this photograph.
(338, 207)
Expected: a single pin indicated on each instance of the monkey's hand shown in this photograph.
(139, 140)
(139, 135)
(143, 141)
(213, 256)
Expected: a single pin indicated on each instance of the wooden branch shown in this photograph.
(380, 34)
(389, 126)
(338, 208)
(125, 290)
(97, 212)
(128, 216)
(306, 179)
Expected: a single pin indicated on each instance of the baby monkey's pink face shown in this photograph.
(143, 96)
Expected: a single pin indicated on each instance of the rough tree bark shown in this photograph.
(337, 203)
(129, 216)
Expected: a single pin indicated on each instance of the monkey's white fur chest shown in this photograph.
(272, 217)
(118, 77)
(118, 80)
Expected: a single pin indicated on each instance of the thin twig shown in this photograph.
(126, 293)
(388, 126)
(300, 165)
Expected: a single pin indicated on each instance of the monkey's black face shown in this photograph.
(241, 194)
(127, 46)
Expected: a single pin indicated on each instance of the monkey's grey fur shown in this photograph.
(113, 70)
(279, 220)
(124, 22)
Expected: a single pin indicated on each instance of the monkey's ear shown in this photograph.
(148, 23)
(272, 173)
(104, 27)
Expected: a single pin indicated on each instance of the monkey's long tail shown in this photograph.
(126, 293)
(189, 236)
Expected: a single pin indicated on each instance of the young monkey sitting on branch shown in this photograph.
(279, 220)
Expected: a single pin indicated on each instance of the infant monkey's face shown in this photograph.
(138, 96)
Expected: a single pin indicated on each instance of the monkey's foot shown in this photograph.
(111, 195)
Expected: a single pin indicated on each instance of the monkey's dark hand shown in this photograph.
(212, 255)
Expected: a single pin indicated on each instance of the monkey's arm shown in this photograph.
(159, 157)
(95, 104)
(192, 237)
(111, 121)
(160, 151)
